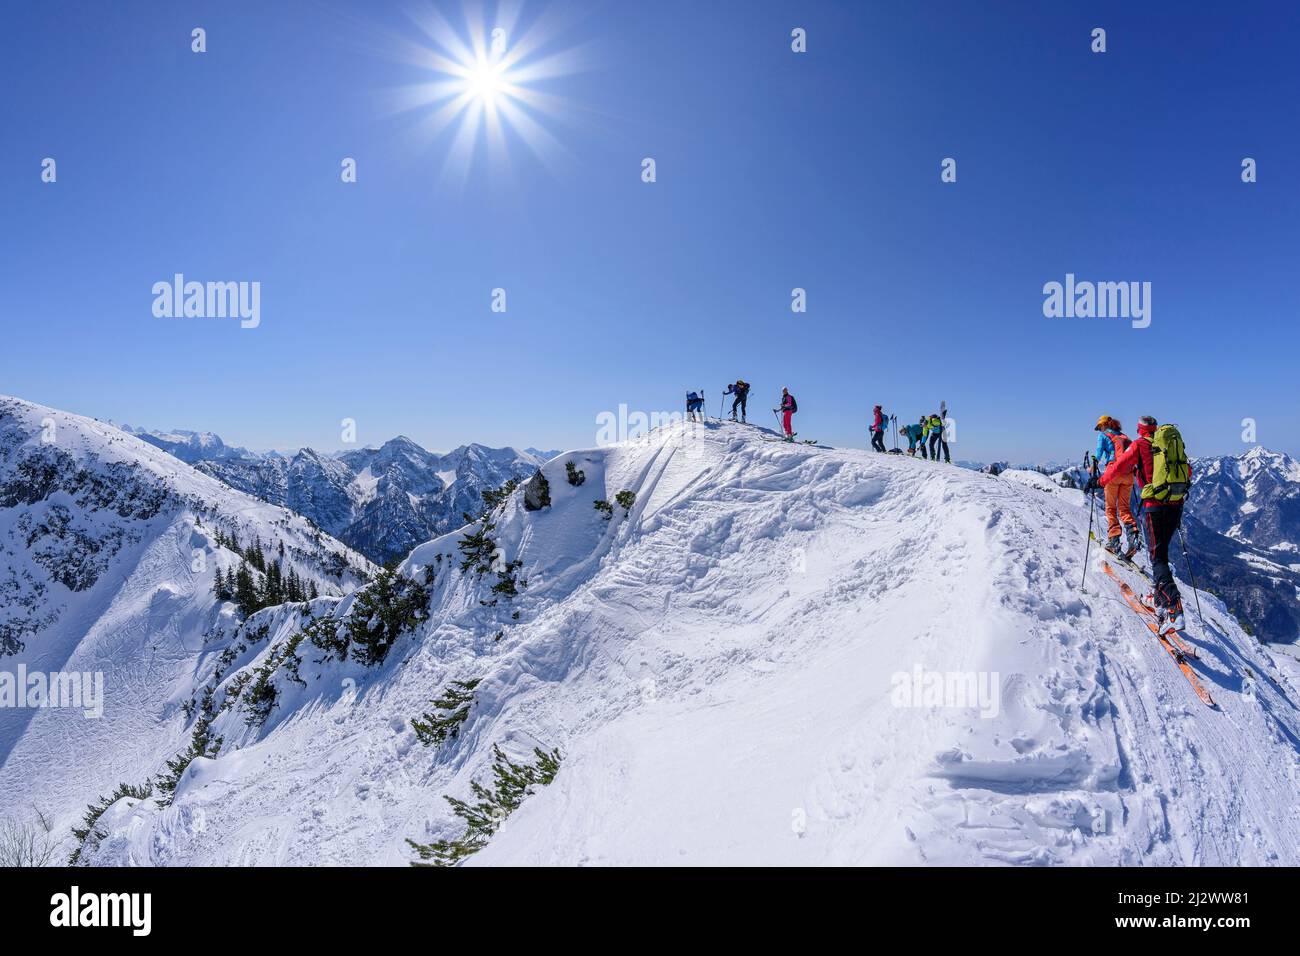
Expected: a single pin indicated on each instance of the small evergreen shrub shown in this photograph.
(604, 507)
(324, 633)
(202, 744)
(478, 549)
(495, 497)
(435, 729)
(507, 583)
(512, 782)
(96, 810)
(626, 499)
(388, 606)
(576, 477)
(262, 694)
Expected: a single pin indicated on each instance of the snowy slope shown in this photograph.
(721, 668)
(106, 566)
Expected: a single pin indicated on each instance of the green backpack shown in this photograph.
(1171, 475)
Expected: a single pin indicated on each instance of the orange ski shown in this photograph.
(1179, 641)
(1149, 619)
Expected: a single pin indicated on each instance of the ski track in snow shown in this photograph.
(716, 667)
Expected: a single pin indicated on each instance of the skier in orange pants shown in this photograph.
(1111, 443)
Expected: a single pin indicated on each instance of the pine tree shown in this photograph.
(246, 595)
(383, 610)
(274, 586)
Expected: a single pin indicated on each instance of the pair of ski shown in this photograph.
(791, 441)
(1173, 642)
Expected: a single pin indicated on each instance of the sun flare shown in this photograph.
(488, 87)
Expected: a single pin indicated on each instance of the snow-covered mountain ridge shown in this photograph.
(731, 665)
(108, 557)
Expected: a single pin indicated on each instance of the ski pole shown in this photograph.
(1192, 574)
(1092, 507)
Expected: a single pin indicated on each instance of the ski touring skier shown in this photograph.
(788, 407)
(694, 406)
(1111, 443)
(915, 434)
(925, 435)
(878, 423)
(740, 389)
(936, 426)
(1157, 460)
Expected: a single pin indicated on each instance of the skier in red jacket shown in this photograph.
(878, 422)
(788, 407)
(1161, 520)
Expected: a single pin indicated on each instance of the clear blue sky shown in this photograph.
(775, 170)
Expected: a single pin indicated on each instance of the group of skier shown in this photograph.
(929, 431)
(1147, 476)
(739, 391)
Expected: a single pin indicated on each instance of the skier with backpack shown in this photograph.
(1111, 443)
(1157, 459)
(741, 390)
(936, 425)
(878, 423)
(694, 406)
(915, 434)
(788, 407)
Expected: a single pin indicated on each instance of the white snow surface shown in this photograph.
(717, 666)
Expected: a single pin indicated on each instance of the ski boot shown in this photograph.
(1112, 545)
(1132, 542)
(1173, 619)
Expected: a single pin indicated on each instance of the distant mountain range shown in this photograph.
(1243, 529)
(380, 501)
(1253, 498)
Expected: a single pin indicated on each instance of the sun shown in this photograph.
(486, 86)
(486, 80)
